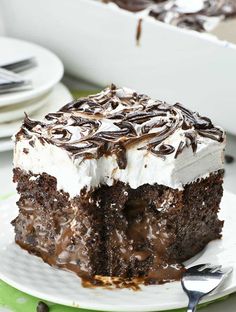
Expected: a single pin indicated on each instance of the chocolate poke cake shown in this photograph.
(212, 16)
(117, 184)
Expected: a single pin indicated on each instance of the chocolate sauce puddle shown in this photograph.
(164, 274)
(159, 277)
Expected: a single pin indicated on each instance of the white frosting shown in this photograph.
(118, 135)
(188, 6)
(142, 167)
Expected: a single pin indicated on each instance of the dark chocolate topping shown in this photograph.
(229, 159)
(42, 307)
(134, 5)
(116, 119)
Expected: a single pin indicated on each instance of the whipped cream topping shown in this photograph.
(120, 135)
(200, 15)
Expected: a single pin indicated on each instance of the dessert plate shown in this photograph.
(16, 111)
(6, 144)
(59, 95)
(31, 275)
(44, 76)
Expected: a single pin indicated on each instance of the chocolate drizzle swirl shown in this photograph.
(180, 148)
(30, 124)
(116, 119)
(192, 138)
(162, 150)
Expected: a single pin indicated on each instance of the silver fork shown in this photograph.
(10, 81)
(20, 65)
(200, 280)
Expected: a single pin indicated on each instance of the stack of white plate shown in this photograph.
(46, 95)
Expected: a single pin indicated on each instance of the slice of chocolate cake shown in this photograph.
(119, 185)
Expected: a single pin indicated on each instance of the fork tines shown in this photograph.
(21, 65)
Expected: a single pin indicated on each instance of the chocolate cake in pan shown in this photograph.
(199, 15)
(117, 184)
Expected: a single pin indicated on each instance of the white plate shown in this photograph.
(31, 275)
(6, 144)
(44, 76)
(59, 96)
(16, 111)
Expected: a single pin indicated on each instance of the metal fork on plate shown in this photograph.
(11, 81)
(21, 65)
(201, 280)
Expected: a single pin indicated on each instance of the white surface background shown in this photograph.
(1, 25)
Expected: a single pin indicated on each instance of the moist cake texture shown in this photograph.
(119, 185)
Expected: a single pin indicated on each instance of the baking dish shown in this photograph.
(97, 42)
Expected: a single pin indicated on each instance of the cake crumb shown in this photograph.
(229, 159)
(42, 307)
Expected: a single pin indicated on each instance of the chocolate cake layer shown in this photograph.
(115, 230)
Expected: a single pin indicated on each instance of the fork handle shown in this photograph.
(193, 302)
